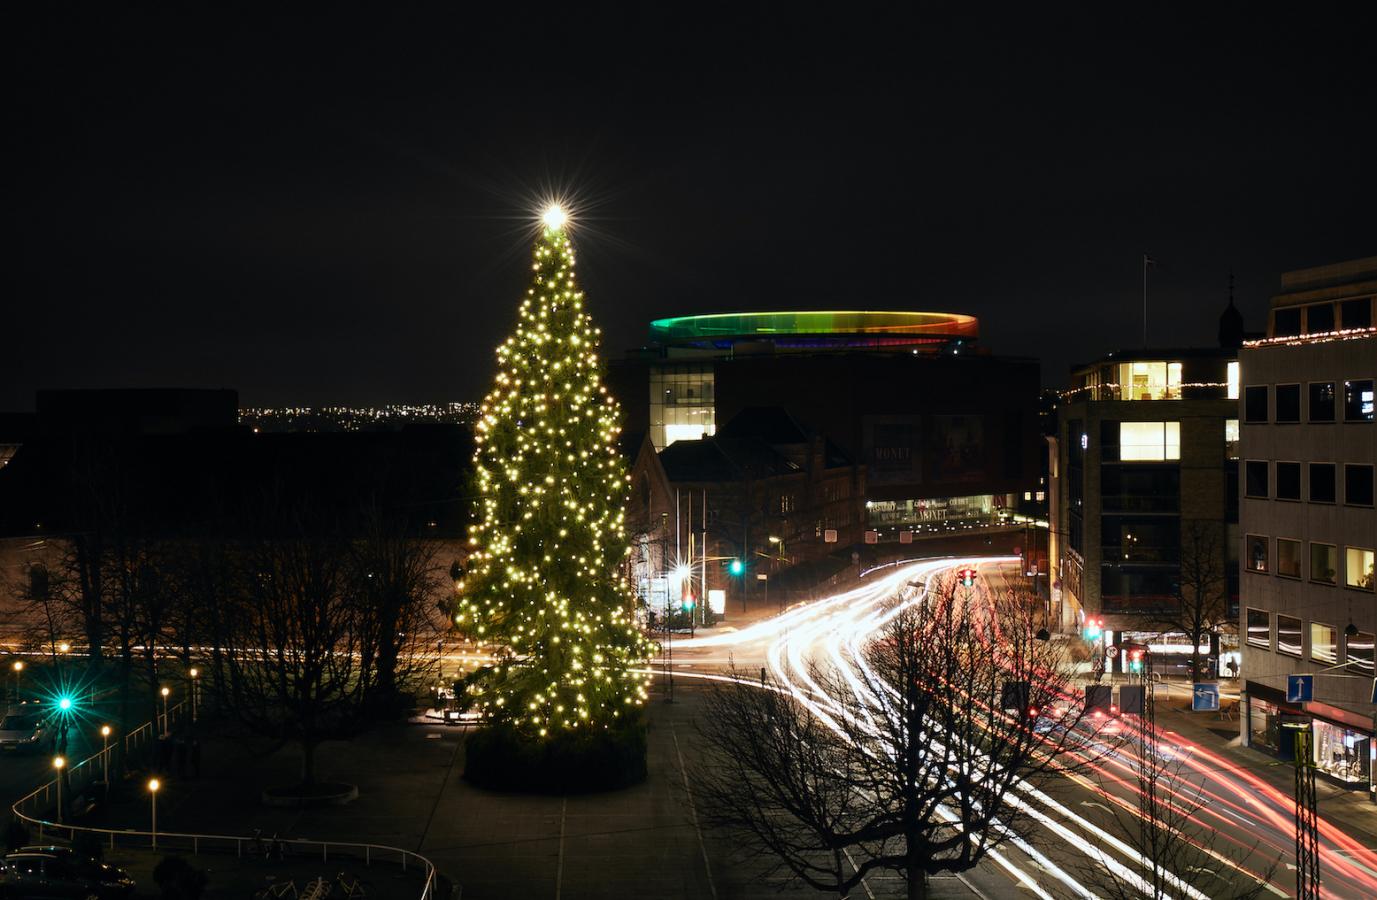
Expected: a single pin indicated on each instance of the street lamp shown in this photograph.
(64, 647)
(153, 785)
(105, 754)
(195, 688)
(58, 764)
(167, 723)
(18, 668)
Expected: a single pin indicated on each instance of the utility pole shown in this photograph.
(1307, 831)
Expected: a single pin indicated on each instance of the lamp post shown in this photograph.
(58, 764)
(195, 673)
(153, 785)
(167, 723)
(105, 753)
(18, 668)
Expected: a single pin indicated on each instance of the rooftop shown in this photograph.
(816, 327)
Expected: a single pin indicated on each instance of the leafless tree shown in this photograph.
(1202, 606)
(907, 758)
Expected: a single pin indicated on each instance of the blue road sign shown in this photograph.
(1300, 688)
(1205, 698)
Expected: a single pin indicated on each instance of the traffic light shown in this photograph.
(1092, 629)
(688, 602)
(1135, 661)
(65, 704)
(967, 577)
(736, 567)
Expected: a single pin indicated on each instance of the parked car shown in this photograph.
(42, 873)
(24, 727)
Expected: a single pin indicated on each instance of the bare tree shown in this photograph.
(1202, 606)
(307, 639)
(907, 758)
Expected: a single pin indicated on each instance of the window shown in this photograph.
(1288, 635)
(1324, 643)
(1356, 313)
(1259, 628)
(1149, 381)
(1256, 553)
(1255, 478)
(1255, 403)
(1286, 322)
(1324, 563)
(1358, 563)
(1358, 485)
(1321, 482)
(1322, 401)
(1231, 438)
(1319, 318)
(1232, 378)
(1288, 558)
(1360, 654)
(1288, 403)
(1358, 401)
(1149, 441)
(1288, 481)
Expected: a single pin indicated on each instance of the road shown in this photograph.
(1253, 819)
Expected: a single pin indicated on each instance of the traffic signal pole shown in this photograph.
(1307, 825)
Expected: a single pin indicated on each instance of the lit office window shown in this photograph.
(1150, 381)
(1231, 438)
(1149, 441)
(1233, 380)
(1358, 401)
(1324, 643)
(1358, 564)
(1257, 557)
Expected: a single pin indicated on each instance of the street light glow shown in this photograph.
(19, 665)
(195, 672)
(166, 691)
(154, 784)
(59, 762)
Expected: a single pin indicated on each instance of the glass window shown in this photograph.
(1324, 563)
(1255, 403)
(1149, 441)
(1231, 438)
(1324, 643)
(1255, 552)
(1358, 485)
(1322, 401)
(1288, 403)
(1288, 481)
(1356, 313)
(1150, 381)
(1358, 401)
(1232, 378)
(1360, 654)
(1288, 558)
(1259, 628)
(1358, 563)
(1321, 482)
(1319, 318)
(1255, 478)
(1288, 635)
(1286, 322)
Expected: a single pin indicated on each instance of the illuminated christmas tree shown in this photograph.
(544, 586)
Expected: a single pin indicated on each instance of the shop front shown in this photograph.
(1341, 742)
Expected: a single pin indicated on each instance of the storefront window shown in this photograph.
(1288, 635)
(1358, 565)
(1340, 752)
(1324, 643)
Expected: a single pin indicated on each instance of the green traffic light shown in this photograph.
(65, 704)
(736, 567)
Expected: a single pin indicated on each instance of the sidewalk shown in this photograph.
(641, 842)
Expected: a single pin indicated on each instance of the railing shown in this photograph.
(31, 807)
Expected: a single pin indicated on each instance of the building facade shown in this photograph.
(1144, 507)
(1309, 528)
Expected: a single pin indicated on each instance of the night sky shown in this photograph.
(318, 211)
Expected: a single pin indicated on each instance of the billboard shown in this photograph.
(893, 454)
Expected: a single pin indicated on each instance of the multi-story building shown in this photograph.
(1309, 528)
(1143, 505)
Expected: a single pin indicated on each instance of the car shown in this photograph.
(23, 728)
(59, 873)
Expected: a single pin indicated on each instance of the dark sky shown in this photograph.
(317, 211)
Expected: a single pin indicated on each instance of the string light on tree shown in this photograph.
(544, 578)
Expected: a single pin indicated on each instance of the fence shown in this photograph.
(33, 807)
